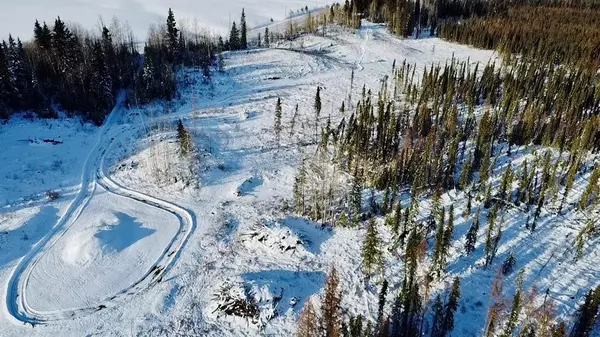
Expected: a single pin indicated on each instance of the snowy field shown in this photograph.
(136, 243)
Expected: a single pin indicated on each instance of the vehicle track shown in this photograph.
(94, 174)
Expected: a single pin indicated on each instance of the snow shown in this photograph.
(216, 231)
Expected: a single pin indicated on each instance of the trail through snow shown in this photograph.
(94, 175)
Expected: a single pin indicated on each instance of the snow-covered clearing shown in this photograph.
(143, 242)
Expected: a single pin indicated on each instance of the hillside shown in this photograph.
(143, 240)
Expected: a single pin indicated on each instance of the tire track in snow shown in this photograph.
(364, 34)
(94, 174)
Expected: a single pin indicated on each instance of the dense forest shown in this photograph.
(70, 69)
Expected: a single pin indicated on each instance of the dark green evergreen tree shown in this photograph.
(243, 31)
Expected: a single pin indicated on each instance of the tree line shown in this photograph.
(66, 68)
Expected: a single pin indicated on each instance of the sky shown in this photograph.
(18, 16)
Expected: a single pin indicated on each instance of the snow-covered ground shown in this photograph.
(144, 242)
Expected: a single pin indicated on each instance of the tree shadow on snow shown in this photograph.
(122, 234)
(289, 289)
(15, 243)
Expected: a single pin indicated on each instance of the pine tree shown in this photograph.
(570, 179)
(185, 140)
(438, 317)
(373, 203)
(172, 37)
(449, 230)
(509, 264)
(450, 308)
(101, 85)
(465, 174)
(397, 218)
(591, 191)
(267, 40)
(381, 303)
(471, 238)
(490, 238)
(293, 122)
(308, 322)
(356, 201)
(243, 31)
(299, 187)
(277, 123)
(317, 107)
(583, 235)
(234, 37)
(513, 317)
(7, 90)
(438, 262)
(505, 184)
(586, 315)
(371, 252)
(330, 320)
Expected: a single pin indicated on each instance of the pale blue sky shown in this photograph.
(17, 16)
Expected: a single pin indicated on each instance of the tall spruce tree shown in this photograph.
(371, 252)
(277, 122)
(587, 314)
(308, 324)
(515, 310)
(317, 107)
(243, 31)
(450, 308)
(471, 238)
(331, 315)
(172, 38)
(234, 37)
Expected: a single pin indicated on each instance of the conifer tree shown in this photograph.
(465, 174)
(317, 107)
(185, 140)
(591, 191)
(331, 319)
(299, 187)
(587, 314)
(308, 324)
(438, 317)
(234, 37)
(583, 235)
(449, 230)
(356, 200)
(277, 123)
(471, 238)
(293, 122)
(438, 252)
(371, 252)
(172, 37)
(569, 180)
(490, 235)
(505, 184)
(267, 39)
(450, 308)
(243, 31)
(513, 317)
(381, 303)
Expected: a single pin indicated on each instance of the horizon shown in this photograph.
(17, 19)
